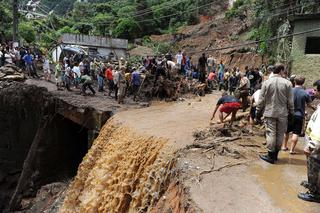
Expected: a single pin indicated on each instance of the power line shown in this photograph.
(175, 14)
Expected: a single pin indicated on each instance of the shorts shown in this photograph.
(296, 126)
(230, 107)
(46, 71)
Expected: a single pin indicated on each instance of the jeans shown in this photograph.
(100, 83)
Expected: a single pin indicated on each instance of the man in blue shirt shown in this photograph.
(28, 60)
(135, 83)
(295, 125)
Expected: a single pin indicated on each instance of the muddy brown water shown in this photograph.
(282, 181)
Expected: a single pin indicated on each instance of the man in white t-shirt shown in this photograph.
(179, 58)
(46, 69)
(254, 101)
(76, 75)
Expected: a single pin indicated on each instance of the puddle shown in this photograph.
(282, 182)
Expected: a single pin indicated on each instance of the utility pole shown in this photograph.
(15, 20)
(198, 9)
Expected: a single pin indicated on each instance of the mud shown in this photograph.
(123, 172)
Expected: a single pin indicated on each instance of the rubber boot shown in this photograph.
(309, 197)
(306, 184)
(275, 155)
(268, 157)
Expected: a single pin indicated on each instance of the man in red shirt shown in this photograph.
(109, 77)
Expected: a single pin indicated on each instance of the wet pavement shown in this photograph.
(282, 181)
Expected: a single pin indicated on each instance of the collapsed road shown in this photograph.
(165, 158)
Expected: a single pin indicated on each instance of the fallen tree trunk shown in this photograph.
(228, 119)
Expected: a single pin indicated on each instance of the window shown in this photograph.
(313, 45)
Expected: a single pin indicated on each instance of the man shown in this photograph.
(202, 63)
(87, 82)
(115, 82)
(57, 75)
(109, 77)
(121, 83)
(312, 152)
(227, 104)
(276, 100)
(135, 82)
(254, 78)
(233, 82)
(221, 75)
(244, 87)
(212, 79)
(101, 77)
(28, 59)
(210, 63)
(179, 58)
(76, 75)
(301, 98)
(46, 68)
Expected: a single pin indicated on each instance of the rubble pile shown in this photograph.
(10, 72)
(170, 89)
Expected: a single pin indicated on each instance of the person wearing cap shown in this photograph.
(227, 104)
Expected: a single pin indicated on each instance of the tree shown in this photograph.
(15, 20)
(27, 32)
(127, 28)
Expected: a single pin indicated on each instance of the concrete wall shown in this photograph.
(103, 45)
(118, 53)
(305, 64)
(94, 41)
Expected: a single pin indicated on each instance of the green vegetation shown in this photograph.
(128, 19)
(265, 19)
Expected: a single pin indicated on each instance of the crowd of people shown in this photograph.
(267, 91)
(281, 102)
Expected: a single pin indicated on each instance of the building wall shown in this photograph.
(94, 41)
(118, 53)
(307, 65)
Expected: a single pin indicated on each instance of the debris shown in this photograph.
(10, 72)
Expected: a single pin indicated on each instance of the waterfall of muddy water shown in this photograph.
(122, 172)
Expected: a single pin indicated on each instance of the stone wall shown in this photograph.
(307, 65)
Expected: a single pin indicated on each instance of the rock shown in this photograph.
(144, 104)
(10, 72)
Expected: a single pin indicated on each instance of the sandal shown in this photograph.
(292, 153)
(284, 149)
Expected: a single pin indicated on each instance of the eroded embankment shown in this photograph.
(122, 172)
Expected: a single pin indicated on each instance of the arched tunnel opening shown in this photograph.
(33, 154)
